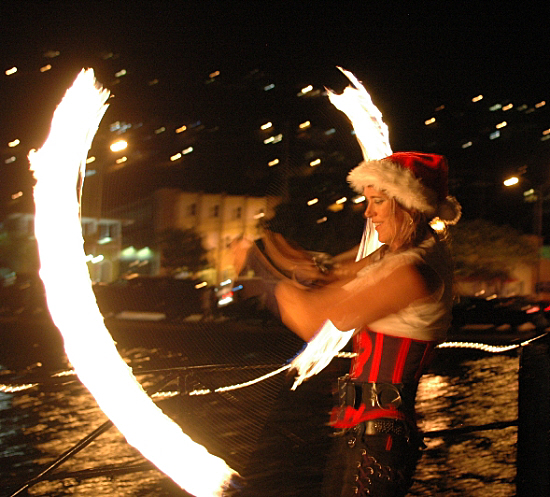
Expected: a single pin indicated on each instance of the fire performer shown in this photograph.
(397, 300)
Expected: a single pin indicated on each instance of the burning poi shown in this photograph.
(59, 168)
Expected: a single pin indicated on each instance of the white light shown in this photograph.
(11, 71)
(501, 125)
(341, 200)
(315, 162)
(11, 159)
(98, 259)
(225, 282)
(306, 89)
(273, 162)
(304, 125)
(120, 73)
(269, 87)
(467, 144)
(73, 308)
(104, 240)
(427, 122)
(266, 126)
(494, 135)
(202, 284)
(188, 150)
(121, 160)
(90, 159)
(14, 143)
(495, 107)
(175, 157)
(359, 199)
(514, 180)
(313, 201)
(16, 195)
(118, 146)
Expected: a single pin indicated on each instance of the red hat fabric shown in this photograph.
(416, 180)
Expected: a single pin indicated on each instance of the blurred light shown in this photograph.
(313, 201)
(467, 144)
(259, 215)
(104, 240)
(11, 71)
(508, 107)
(214, 74)
(121, 160)
(528, 193)
(90, 159)
(277, 138)
(304, 125)
(273, 162)
(128, 251)
(540, 104)
(544, 138)
(120, 73)
(514, 180)
(90, 172)
(495, 107)
(45, 68)
(501, 125)
(95, 260)
(188, 150)
(530, 110)
(202, 284)
(175, 157)
(437, 225)
(315, 162)
(494, 135)
(225, 282)
(14, 143)
(330, 131)
(307, 89)
(51, 54)
(359, 199)
(322, 220)
(11, 159)
(153, 82)
(478, 98)
(17, 195)
(145, 252)
(441, 107)
(181, 129)
(522, 107)
(269, 87)
(342, 200)
(546, 132)
(160, 130)
(118, 146)
(429, 121)
(266, 126)
(268, 140)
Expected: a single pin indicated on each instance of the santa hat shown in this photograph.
(416, 180)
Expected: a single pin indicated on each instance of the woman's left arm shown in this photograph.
(305, 311)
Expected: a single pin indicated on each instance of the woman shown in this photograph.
(398, 302)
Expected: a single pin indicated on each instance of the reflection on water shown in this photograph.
(461, 390)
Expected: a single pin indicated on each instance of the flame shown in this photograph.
(371, 131)
(58, 167)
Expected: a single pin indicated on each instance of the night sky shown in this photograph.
(411, 60)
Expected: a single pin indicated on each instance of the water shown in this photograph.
(463, 388)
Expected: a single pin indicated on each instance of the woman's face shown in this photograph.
(386, 219)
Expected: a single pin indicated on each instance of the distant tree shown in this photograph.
(181, 250)
(488, 251)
